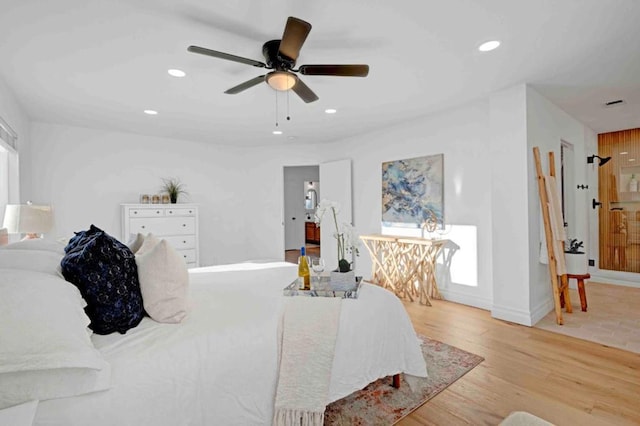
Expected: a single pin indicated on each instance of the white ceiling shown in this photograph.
(100, 63)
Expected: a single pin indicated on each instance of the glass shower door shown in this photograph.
(619, 216)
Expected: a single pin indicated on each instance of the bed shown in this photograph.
(220, 364)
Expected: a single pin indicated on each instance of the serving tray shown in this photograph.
(326, 288)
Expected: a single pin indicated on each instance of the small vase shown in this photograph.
(348, 277)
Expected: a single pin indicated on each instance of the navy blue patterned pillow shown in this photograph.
(105, 271)
(80, 238)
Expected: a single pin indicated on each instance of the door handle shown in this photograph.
(293, 218)
(595, 204)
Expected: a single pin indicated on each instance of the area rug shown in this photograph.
(381, 404)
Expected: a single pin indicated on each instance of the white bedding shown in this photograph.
(219, 367)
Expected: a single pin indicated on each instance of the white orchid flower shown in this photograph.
(344, 234)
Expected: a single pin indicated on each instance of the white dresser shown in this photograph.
(176, 223)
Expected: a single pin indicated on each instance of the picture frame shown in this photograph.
(413, 191)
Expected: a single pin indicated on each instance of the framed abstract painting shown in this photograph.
(412, 190)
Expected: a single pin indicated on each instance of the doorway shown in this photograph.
(618, 191)
(301, 195)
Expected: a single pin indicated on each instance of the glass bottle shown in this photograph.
(304, 277)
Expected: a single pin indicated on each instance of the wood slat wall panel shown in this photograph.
(619, 230)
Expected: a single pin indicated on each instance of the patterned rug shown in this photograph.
(381, 404)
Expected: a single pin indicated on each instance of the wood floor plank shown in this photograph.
(563, 379)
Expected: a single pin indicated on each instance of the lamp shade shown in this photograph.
(27, 219)
(281, 80)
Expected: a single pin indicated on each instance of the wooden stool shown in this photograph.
(581, 292)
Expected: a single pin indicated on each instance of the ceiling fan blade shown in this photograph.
(303, 91)
(227, 56)
(244, 86)
(295, 33)
(337, 70)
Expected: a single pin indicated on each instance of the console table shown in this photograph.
(405, 265)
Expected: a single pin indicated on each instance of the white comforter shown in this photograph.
(219, 367)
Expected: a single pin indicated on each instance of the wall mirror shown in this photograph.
(311, 199)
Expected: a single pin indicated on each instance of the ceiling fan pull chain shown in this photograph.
(288, 117)
(276, 92)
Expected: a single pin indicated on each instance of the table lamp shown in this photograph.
(28, 219)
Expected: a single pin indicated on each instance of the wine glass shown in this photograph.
(317, 266)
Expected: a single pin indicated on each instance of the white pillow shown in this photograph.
(45, 348)
(37, 244)
(164, 280)
(135, 243)
(31, 260)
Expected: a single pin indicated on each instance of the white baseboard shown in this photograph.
(517, 316)
(541, 311)
(466, 299)
(606, 277)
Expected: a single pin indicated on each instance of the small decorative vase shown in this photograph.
(348, 277)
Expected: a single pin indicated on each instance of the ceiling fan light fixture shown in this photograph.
(277, 132)
(281, 80)
(150, 112)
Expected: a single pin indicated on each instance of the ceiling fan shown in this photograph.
(280, 56)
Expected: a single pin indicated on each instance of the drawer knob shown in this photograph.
(142, 227)
(184, 225)
(135, 212)
(184, 242)
(184, 255)
(170, 211)
(157, 211)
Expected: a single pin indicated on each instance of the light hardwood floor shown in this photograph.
(564, 380)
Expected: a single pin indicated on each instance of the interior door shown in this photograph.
(293, 214)
(336, 186)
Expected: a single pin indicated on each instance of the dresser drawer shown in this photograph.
(146, 212)
(175, 223)
(188, 255)
(182, 242)
(180, 212)
(163, 226)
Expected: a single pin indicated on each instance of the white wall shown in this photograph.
(86, 173)
(547, 127)
(462, 135)
(510, 209)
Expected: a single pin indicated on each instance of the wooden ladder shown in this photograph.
(559, 283)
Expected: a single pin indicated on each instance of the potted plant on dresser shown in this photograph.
(173, 187)
(576, 257)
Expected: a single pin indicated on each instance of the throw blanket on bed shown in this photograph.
(309, 331)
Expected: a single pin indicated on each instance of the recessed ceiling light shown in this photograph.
(150, 112)
(624, 153)
(489, 46)
(330, 111)
(176, 73)
(277, 132)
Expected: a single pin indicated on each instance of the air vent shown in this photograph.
(615, 103)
